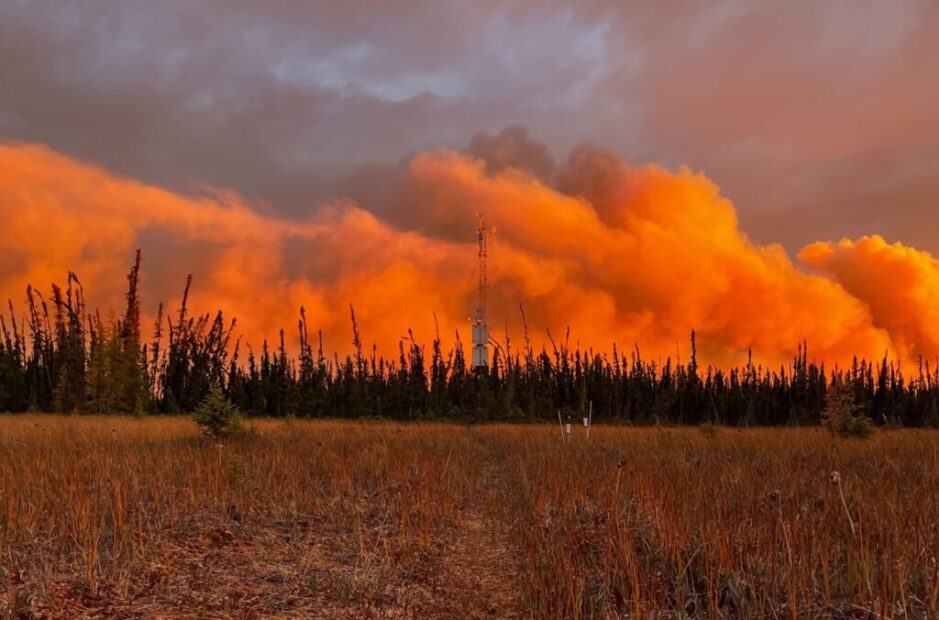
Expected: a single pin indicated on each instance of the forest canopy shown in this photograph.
(61, 356)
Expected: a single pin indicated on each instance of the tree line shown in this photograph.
(59, 356)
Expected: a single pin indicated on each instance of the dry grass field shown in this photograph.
(117, 517)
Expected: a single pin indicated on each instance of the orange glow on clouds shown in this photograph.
(631, 255)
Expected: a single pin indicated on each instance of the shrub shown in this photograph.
(840, 415)
(217, 416)
(855, 426)
(709, 429)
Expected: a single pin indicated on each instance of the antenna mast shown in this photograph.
(480, 328)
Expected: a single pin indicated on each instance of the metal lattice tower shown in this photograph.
(480, 328)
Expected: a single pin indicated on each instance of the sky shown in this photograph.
(763, 172)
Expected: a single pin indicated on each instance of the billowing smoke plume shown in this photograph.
(899, 284)
(617, 253)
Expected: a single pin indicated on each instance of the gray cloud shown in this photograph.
(816, 119)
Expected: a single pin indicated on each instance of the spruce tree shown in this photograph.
(217, 416)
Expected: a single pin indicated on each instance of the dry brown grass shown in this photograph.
(116, 517)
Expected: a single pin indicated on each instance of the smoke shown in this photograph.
(616, 253)
(899, 284)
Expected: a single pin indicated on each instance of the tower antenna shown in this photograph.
(480, 327)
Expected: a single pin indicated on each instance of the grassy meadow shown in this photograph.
(118, 517)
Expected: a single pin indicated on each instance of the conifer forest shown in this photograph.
(62, 356)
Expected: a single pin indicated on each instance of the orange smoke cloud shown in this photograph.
(631, 255)
(642, 255)
(61, 215)
(899, 284)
